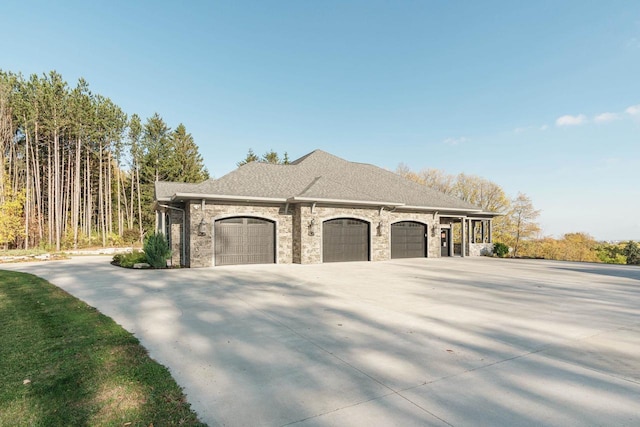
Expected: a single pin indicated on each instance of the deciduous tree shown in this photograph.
(11, 220)
(523, 216)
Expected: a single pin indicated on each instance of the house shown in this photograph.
(320, 208)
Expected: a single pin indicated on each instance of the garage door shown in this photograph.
(408, 240)
(244, 240)
(345, 239)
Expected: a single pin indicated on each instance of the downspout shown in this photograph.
(184, 228)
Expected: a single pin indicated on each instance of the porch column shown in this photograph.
(472, 230)
(463, 234)
(489, 226)
(484, 230)
(450, 239)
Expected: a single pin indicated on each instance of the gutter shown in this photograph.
(180, 196)
(343, 201)
(441, 209)
(184, 228)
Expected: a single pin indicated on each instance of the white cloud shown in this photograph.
(606, 117)
(633, 110)
(455, 141)
(520, 130)
(569, 120)
(544, 127)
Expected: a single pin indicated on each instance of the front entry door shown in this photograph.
(444, 241)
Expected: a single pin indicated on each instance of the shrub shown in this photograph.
(500, 249)
(130, 236)
(128, 260)
(156, 248)
(632, 252)
(113, 239)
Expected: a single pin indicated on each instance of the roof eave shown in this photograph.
(226, 197)
(342, 201)
(442, 209)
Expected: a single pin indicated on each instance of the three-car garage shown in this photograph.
(249, 240)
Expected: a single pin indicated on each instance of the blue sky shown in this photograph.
(540, 97)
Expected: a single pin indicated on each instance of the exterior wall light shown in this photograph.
(434, 230)
(202, 228)
(312, 227)
(379, 228)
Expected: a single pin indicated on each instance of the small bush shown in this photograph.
(157, 250)
(113, 239)
(500, 249)
(130, 236)
(128, 260)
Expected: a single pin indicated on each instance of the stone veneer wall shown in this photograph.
(380, 245)
(294, 244)
(201, 253)
(480, 249)
(175, 237)
(297, 235)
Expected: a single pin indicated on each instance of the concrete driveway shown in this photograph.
(449, 341)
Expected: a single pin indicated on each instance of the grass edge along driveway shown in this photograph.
(65, 363)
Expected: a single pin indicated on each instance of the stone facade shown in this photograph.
(310, 243)
(175, 237)
(298, 229)
(480, 249)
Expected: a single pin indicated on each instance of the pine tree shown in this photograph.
(632, 252)
(251, 157)
(188, 161)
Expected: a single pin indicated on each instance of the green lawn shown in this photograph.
(62, 363)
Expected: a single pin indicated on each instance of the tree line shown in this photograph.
(582, 247)
(517, 221)
(518, 227)
(76, 170)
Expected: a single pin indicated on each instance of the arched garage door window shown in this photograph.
(408, 240)
(345, 239)
(244, 240)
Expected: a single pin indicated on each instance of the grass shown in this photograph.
(63, 363)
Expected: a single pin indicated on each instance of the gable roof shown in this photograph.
(316, 177)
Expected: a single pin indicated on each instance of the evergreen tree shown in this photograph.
(271, 157)
(157, 146)
(251, 157)
(189, 163)
(632, 252)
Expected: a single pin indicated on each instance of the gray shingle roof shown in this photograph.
(316, 176)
